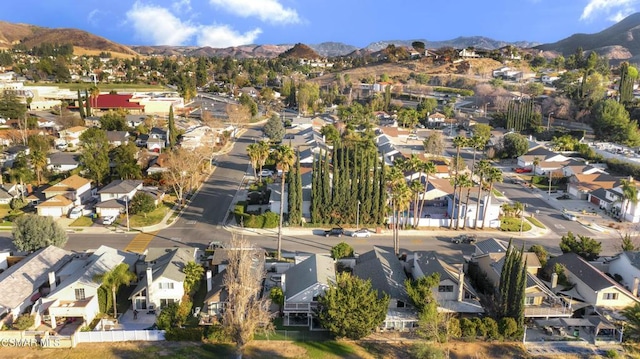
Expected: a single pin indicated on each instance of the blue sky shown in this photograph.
(223, 23)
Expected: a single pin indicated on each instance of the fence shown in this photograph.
(120, 336)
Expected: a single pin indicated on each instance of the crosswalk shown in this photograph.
(140, 242)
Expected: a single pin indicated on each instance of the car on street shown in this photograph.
(564, 196)
(361, 233)
(465, 239)
(266, 173)
(338, 232)
(412, 136)
(569, 216)
(75, 212)
(107, 220)
(523, 170)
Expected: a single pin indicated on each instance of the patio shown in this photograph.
(143, 321)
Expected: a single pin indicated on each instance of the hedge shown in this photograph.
(105, 299)
(463, 92)
(184, 334)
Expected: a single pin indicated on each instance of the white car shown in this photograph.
(107, 220)
(412, 136)
(361, 233)
(75, 212)
(569, 216)
(266, 173)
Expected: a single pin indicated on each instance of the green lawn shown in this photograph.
(320, 350)
(4, 210)
(151, 218)
(112, 86)
(83, 221)
(535, 222)
(513, 225)
(497, 193)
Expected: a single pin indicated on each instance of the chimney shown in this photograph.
(554, 280)
(460, 285)
(149, 278)
(209, 285)
(283, 283)
(636, 282)
(52, 281)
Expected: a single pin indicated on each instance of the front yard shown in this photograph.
(82, 221)
(513, 224)
(151, 218)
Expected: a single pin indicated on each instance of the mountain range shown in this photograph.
(619, 42)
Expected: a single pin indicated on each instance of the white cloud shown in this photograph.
(620, 15)
(270, 11)
(92, 18)
(596, 7)
(181, 6)
(159, 25)
(224, 36)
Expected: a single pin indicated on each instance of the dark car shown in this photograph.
(465, 238)
(334, 232)
(564, 196)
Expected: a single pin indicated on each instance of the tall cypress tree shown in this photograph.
(173, 134)
(375, 192)
(505, 279)
(87, 102)
(298, 189)
(327, 196)
(315, 190)
(81, 106)
(382, 195)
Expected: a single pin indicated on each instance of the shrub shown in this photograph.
(217, 334)
(481, 329)
(17, 203)
(468, 328)
(453, 329)
(184, 334)
(508, 327)
(23, 322)
(105, 299)
(271, 220)
(426, 351)
(174, 315)
(611, 353)
(341, 250)
(491, 328)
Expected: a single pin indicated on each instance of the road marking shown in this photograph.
(416, 241)
(140, 242)
(191, 222)
(176, 239)
(558, 226)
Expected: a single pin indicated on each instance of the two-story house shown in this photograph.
(161, 277)
(625, 265)
(302, 284)
(435, 120)
(626, 209)
(10, 154)
(71, 136)
(387, 276)
(117, 138)
(582, 185)
(454, 292)
(120, 189)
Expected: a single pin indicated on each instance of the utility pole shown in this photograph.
(549, 121)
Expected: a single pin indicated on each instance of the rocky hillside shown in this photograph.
(301, 51)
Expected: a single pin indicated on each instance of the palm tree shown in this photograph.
(428, 168)
(114, 279)
(416, 189)
(493, 175)
(262, 155)
(39, 162)
(95, 92)
(400, 197)
(458, 142)
(253, 151)
(285, 157)
(481, 170)
(629, 195)
(536, 163)
(464, 181)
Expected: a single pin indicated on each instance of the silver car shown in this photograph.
(361, 233)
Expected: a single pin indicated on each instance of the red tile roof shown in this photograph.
(116, 101)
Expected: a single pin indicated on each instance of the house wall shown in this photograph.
(104, 212)
(62, 168)
(622, 266)
(535, 293)
(157, 294)
(442, 296)
(597, 298)
(68, 292)
(108, 196)
(307, 295)
(87, 312)
(54, 211)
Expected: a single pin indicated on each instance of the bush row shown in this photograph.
(264, 220)
(457, 91)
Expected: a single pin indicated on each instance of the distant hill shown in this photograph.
(479, 42)
(29, 35)
(620, 41)
(300, 51)
(240, 52)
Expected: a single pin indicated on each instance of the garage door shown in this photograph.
(595, 200)
(50, 211)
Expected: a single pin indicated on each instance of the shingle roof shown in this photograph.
(634, 258)
(56, 201)
(120, 186)
(315, 269)
(218, 293)
(580, 268)
(19, 281)
(72, 183)
(601, 194)
(113, 136)
(491, 245)
(166, 263)
(111, 203)
(63, 158)
(385, 271)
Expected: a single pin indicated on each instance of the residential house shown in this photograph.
(436, 120)
(74, 188)
(627, 210)
(161, 277)
(196, 137)
(468, 53)
(62, 161)
(464, 208)
(590, 285)
(117, 138)
(57, 206)
(111, 208)
(10, 154)
(157, 164)
(540, 302)
(388, 151)
(76, 294)
(9, 191)
(216, 298)
(576, 167)
(387, 276)
(134, 121)
(582, 185)
(548, 79)
(625, 265)
(220, 259)
(302, 284)
(71, 136)
(454, 293)
(26, 281)
(543, 155)
(157, 139)
(120, 189)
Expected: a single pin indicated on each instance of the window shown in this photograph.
(165, 302)
(445, 289)
(168, 285)
(609, 296)
(80, 294)
(529, 301)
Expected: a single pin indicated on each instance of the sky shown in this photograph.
(224, 23)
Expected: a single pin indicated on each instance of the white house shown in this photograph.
(72, 135)
(117, 138)
(57, 206)
(543, 155)
(75, 188)
(161, 277)
(25, 282)
(628, 210)
(120, 189)
(627, 266)
(436, 119)
(62, 161)
(302, 284)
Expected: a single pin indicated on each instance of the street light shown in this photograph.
(524, 207)
(549, 121)
(358, 216)
(550, 176)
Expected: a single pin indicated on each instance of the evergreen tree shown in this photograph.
(81, 106)
(375, 192)
(327, 198)
(315, 190)
(505, 278)
(382, 195)
(628, 76)
(295, 194)
(173, 134)
(87, 102)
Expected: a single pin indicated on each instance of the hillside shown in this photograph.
(620, 41)
(30, 36)
(300, 51)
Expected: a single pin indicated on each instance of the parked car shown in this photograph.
(569, 216)
(523, 170)
(76, 212)
(334, 232)
(412, 137)
(363, 232)
(564, 196)
(62, 146)
(266, 173)
(107, 220)
(465, 238)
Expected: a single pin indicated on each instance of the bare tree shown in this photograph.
(238, 116)
(245, 313)
(212, 139)
(183, 171)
